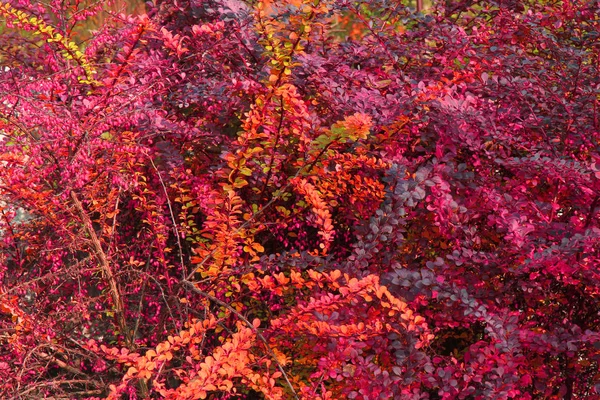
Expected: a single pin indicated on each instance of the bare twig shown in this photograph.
(171, 213)
(106, 269)
(60, 363)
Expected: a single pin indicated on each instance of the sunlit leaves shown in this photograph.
(289, 212)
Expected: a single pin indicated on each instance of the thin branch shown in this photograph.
(114, 221)
(61, 364)
(171, 213)
(214, 299)
(245, 224)
(140, 304)
(106, 269)
(272, 160)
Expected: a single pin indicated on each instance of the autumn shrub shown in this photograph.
(302, 199)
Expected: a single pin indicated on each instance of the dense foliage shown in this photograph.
(301, 199)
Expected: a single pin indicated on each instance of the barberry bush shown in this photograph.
(299, 199)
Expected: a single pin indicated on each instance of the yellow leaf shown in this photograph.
(258, 247)
(335, 275)
(150, 353)
(281, 358)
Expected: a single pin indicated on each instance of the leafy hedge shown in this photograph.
(303, 199)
